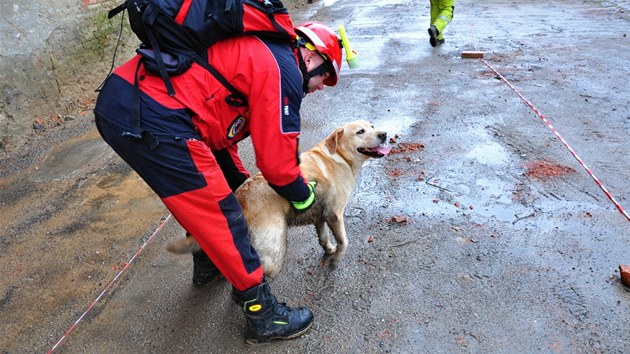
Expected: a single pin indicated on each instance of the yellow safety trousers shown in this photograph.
(441, 14)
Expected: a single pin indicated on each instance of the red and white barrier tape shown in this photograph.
(162, 223)
(588, 170)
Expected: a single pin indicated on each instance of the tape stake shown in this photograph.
(470, 54)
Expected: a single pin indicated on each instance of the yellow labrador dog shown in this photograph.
(334, 164)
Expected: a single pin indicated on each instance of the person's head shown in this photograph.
(319, 54)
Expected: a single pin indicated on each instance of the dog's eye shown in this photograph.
(361, 131)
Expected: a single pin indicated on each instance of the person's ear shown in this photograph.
(308, 56)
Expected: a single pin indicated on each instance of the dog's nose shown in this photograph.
(382, 136)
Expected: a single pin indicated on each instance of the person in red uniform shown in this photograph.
(188, 151)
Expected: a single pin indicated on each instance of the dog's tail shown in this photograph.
(183, 246)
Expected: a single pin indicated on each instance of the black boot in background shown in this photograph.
(204, 271)
(433, 36)
(269, 320)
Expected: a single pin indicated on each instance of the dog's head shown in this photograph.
(357, 141)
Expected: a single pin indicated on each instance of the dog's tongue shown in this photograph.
(382, 150)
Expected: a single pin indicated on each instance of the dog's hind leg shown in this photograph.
(183, 246)
(270, 242)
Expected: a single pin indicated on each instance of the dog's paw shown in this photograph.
(334, 262)
(331, 261)
(330, 249)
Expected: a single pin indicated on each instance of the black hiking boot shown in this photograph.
(433, 34)
(204, 271)
(269, 320)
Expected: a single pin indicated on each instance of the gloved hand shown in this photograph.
(304, 205)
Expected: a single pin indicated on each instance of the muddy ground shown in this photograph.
(480, 233)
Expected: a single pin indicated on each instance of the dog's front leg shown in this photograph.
(324, 240)
(337, 226)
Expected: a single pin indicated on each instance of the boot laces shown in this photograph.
(283, 310)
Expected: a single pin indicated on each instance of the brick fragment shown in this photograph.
(469, 54)
(624, 270)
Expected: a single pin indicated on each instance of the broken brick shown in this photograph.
(624, 271)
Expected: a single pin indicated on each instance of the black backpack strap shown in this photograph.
(270, 10)
(236, 98)
(116, 10)
(137, 133)
(149, 16)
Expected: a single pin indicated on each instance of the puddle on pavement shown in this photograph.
(372, 3)
(489, 153)
(369, 52)
(397, 125)
(495, 190)
(485, 200)
(467, 191)
(489, 199)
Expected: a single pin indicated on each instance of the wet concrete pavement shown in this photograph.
(481, 233)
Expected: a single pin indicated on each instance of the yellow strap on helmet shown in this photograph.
(308, 45)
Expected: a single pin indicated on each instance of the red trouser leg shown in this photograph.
(215, 219)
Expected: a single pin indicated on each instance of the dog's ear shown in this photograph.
(333, 140)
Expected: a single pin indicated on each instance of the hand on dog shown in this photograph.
(304, 205)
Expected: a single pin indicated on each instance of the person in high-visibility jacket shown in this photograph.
(441, 15)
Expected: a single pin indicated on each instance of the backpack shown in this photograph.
(176, 33)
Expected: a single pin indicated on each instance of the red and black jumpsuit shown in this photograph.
(195, 166)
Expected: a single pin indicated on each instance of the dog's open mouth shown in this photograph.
(377, 152)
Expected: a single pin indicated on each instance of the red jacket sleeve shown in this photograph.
(266, 72)
(274, 104)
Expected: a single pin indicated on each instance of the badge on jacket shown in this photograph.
(235, 127)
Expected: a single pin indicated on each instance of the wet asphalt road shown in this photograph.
(490, 237)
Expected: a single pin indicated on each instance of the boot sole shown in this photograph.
(253, 341)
